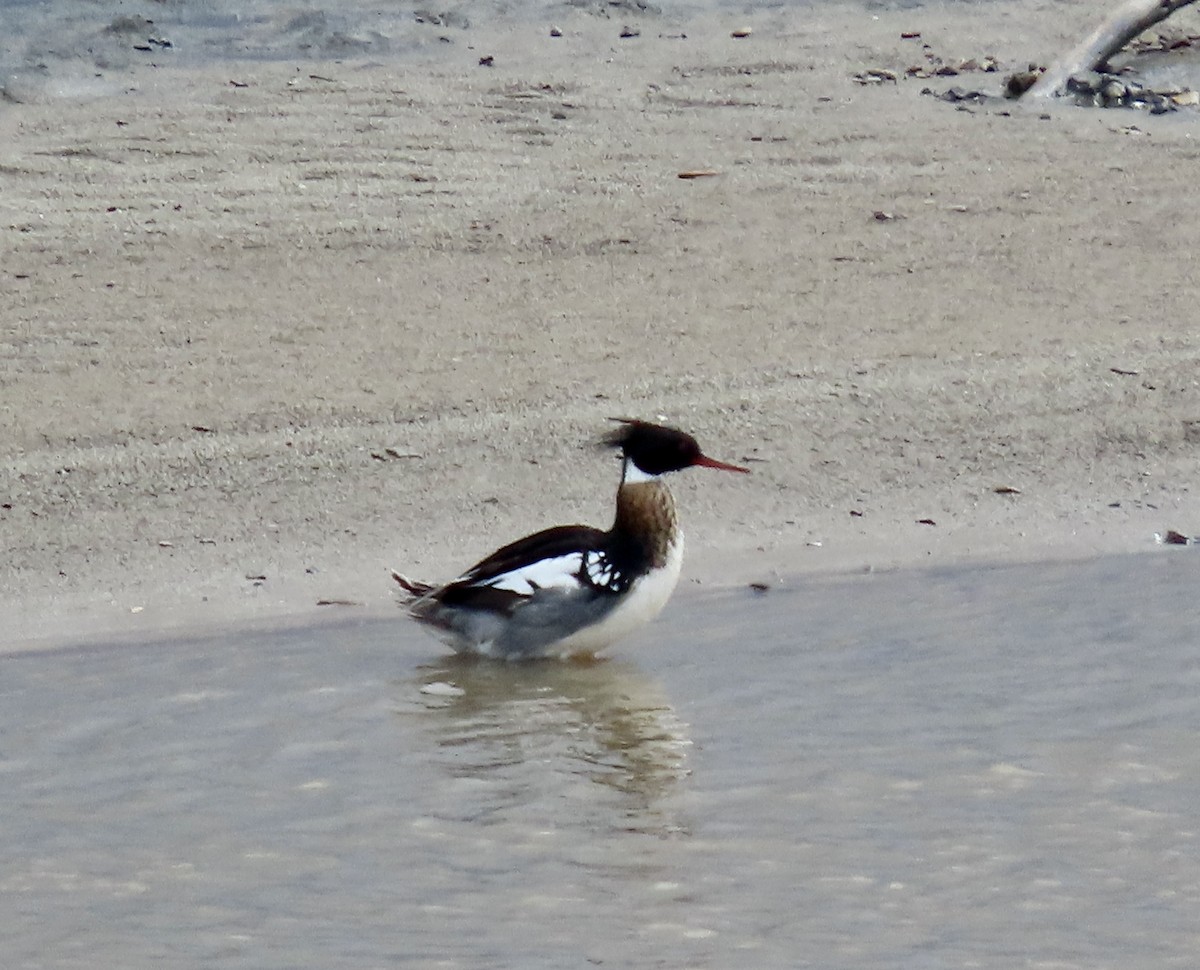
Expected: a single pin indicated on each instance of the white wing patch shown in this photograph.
(599, 569)
(561, 572)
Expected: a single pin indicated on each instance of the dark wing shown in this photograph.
(510, 575)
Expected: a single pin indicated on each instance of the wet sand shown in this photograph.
(1006, 777)
(275, 327)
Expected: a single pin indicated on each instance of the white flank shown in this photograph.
(638, 606)
(561, 572)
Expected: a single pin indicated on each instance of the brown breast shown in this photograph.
(646, 517)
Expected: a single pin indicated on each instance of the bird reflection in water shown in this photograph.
(594, 744)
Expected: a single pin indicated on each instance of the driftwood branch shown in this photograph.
(1093, 52)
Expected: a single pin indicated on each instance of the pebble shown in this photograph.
(1086, 82)
(442, 689)
(876, 75)
(1113, 92)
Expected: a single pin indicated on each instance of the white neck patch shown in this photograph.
(632, 475)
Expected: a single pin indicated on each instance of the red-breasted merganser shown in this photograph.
(572, 590)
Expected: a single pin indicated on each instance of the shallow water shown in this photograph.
(975, 767)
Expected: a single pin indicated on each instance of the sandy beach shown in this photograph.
(272, 328)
